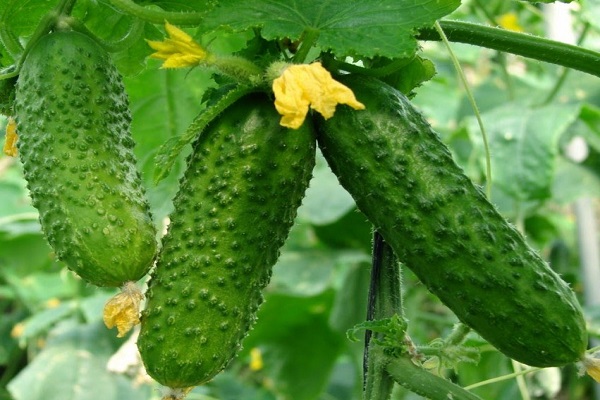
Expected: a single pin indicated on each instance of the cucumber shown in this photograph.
(404, 179)
(237, 201)
(77, 153)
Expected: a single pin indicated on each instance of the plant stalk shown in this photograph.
(526, 45)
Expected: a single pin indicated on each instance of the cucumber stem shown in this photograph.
(526, 45)
(134, 33)
(385, 301)
(424, 383)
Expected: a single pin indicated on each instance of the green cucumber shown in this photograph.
(237, 201)
(403, 178)
(77, 152)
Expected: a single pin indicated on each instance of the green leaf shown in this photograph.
(346, 27)
(298, 346)
(8, 344)
(42, 321)
(183, 5)
(37, 288)
(350, 305)
(491, 364)
(524, 147)
(590, 118)
(91, 307)
(72, 366)
(116, 29)
(351, 231)
(326, 200)
(229, 386)
(22, 16)
(25, 254)
(310, 271)
(573, 181)
(163, 104)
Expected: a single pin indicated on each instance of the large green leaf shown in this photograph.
(125, 33)
(299, 348)
(524, 147)
(346, 27)
(351, 231)
(21, 17)
(72, 366)
(326, 200)
(163, 104)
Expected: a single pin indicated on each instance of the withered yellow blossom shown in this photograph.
(309, 85)
(179, 50)
(592, 367)
(10, 141)
(122, 310)
(510, 21)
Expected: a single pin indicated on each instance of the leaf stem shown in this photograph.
(10, 41)
(526, 45)
(463, 78)
(458, 334)
(157, 16)
(309, 38)
(134, 33)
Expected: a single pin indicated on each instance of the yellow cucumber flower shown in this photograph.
(122, 310)
(10, 141)
(309, 85)
(179, 50)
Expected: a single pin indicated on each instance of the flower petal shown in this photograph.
(122, 310)
(178, 50)
(177, 34)
(301, 86)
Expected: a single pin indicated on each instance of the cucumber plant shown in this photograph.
(246, 177)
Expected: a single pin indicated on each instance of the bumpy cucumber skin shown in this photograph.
(445, 230)
(237, 201)
(77, 152)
